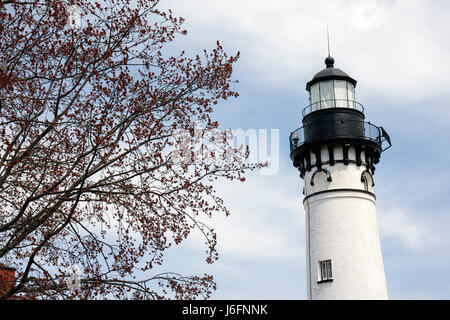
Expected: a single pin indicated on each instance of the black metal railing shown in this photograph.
(333, 103)
(333, 129)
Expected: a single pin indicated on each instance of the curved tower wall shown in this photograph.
(341, 226)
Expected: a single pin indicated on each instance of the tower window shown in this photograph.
(325, 271)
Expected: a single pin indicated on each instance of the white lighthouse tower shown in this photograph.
(336, 151)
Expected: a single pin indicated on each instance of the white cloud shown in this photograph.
(394, 47)
(368, 15)
(414, 232)
(397, 50)
(266, 221)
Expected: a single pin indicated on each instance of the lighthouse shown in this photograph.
(336, 151)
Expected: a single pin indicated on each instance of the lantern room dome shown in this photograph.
(330, 73)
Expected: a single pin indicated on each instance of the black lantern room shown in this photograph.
(333, 117)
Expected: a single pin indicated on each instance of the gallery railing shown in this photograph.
(336, 129)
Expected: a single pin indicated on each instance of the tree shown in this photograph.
(90, 170)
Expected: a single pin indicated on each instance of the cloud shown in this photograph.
(398, 52)
(394, 47)
(266, 221)
(415, 233)
(368, 15)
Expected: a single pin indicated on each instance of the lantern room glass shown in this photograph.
(341, 95)
(332, 94)
(351, 95)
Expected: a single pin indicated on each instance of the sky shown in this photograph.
(398, 51)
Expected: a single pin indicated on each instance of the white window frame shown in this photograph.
(325, 270)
